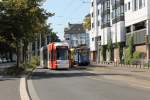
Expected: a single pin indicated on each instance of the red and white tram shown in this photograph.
(55, 56)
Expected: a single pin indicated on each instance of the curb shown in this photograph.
(23, 89)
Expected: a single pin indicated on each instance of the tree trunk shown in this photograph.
(25, 50)
(18, 54)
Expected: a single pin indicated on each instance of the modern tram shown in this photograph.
(55, 56)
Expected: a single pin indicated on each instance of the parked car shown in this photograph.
(0, 60)
(4, 60)
(8, 60)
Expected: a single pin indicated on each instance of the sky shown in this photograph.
(72, 11)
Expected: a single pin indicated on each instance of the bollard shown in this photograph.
(148, 65)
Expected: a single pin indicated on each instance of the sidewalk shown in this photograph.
(134, 77)
(139, 73)
(9, 86)
(6, 65)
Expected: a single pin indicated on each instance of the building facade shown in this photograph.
(137, 23)
(114, 21)
(76, 35)
(94, 34)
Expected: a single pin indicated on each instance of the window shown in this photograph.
(140, 25)
(67, 38)
(118, 11)
(141, 4)
(102, 8)
(113, 2)
(108, 4)
(92, 39)
(105, 5)
(92, 4)
(122, 10)
(125, 7)
(113, 15)
(98, 23)
(128, 29)
(92, 14)
(135, 5)
(129, 6)
(98, 11)
(92, 25)
(108, 17)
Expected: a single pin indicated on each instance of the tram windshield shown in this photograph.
(62, 53)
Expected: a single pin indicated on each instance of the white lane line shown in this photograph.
(23, 89)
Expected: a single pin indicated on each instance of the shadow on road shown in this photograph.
(79, 72)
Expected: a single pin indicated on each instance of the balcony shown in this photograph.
(138, 36)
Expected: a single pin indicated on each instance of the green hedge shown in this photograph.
(33, 63)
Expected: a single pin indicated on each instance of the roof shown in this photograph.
(59, 44)
(74, 29)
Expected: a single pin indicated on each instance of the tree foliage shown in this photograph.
(103, 52)
(87, 23)
(110, 49)
(129, 51)
(21, 21)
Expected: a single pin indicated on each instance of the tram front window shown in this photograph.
(62, 53)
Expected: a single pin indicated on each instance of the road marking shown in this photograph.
(23, 89)
(98, 79)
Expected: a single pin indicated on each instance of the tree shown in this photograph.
(130, 46)
(87, 22)
(110, 49)
(21, 21)
(103, 52)
(54, 37)
(129, 51)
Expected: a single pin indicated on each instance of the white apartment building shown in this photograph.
(137, 23)
(76, 35)
(108, 25)
(94, 34)
(116, 21)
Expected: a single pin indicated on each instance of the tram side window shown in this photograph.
(45, 56)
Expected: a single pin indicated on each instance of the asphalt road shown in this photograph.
(77, 84)
(9, 88)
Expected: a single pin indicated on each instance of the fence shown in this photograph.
(139, 63)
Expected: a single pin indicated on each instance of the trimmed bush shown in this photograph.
(136, 57)
(128, 56)
(35, 61)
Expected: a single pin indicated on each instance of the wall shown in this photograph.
(132, 17)
(142, 49)
(118, 32)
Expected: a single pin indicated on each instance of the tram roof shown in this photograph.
(60, 44)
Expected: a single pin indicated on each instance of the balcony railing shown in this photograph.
(138, 36)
